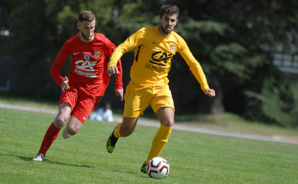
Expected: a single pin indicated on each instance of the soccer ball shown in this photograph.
(158, 168)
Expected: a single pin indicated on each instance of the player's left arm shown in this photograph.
(210, 92)
(196, 69)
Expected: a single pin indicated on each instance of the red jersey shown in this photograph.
(88, 65)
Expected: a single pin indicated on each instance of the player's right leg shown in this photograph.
(63, 115)
(53, 131)
(123, 129)
(144, 168)
(137, 99)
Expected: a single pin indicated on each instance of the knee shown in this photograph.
(60, 122)
(72, 130)
(168, 123)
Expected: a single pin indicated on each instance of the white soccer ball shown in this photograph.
(158, 168)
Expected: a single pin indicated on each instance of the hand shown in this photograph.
(119, 93)
(210, 92)
(65, 84)
(112, 70)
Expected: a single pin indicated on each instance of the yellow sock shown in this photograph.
(117, 131)
(159, 142)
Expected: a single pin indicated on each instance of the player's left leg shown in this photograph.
(72, 127)
(166, 117)
(84, 106)
(163, 106)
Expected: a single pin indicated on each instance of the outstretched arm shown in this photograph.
(196, 69)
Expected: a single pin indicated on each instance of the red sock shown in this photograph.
(48, 139)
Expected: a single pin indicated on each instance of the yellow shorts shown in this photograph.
(138, 98)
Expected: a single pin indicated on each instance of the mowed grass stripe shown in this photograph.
(193, 157)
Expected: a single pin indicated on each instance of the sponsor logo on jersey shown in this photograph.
(160, 58)
(155, 67)
(86, 74)
(85, 65)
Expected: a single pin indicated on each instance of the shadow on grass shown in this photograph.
(29, 159)
(73, 165)
(132, 173)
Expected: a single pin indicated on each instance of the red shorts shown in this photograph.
(81, 102)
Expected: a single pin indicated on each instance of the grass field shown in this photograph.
(193, 157)
(226, 122)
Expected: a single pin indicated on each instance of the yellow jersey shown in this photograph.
(153, 57)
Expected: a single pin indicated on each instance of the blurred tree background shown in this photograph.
(236, 42)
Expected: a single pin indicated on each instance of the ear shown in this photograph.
(78, 26)
(159, 18)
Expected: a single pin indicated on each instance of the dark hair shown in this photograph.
(86, 16)
(170, 9)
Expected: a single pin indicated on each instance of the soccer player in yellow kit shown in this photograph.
(155, 47)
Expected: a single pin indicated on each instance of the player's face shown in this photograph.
(168, 23)
(87, 30)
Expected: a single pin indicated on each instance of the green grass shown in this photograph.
(193, 157)
(227, 122)
(232, 122)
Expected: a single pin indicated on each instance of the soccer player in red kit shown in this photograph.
(86, 81)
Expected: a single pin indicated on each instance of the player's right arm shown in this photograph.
(131, 42)
(57, 65)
